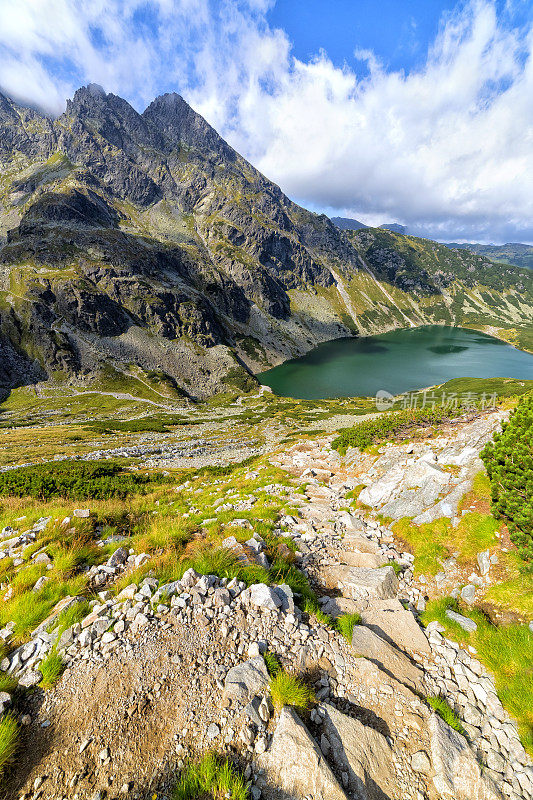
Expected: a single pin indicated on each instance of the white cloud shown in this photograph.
(447, 147)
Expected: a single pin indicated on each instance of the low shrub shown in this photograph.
(210, 777)
(508, 460)
(386, 426)
(90, 480)
(287, 689)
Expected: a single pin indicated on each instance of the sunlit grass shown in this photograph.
(435, 541)
(287, 689)
(346, 623)
(51, 668)
(211, 777)
(446, 712)
(506, 650)
(8, 739)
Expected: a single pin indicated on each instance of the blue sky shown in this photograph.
(397, 32)
(419, 111)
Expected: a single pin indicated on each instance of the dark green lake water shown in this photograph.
(398, 361)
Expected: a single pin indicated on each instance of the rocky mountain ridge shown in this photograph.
(143, 246)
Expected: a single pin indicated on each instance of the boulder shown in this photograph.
(286, 597)
(368, 644)
(361, 582)
(239, 551)
(119, 557)
(30, 678)
(263, 596)
(483, 560)
(245, 680)
(457, 773)
(390, 620)
(294, 765)
(5, 701)
(363, 753)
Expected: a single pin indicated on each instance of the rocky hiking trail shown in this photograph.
(159, 673)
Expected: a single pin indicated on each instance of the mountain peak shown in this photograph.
(180, 124)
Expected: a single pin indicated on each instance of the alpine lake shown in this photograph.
(396, 362)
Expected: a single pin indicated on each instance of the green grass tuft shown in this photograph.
(8, 739)
(51, 669)
(272, 664)
(71, 615)
(312, 608)
(446, 713)
(7, 683)
(346, 623)
(289, 690)
(210, 777)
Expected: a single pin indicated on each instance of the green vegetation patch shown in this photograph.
(432, 542)
(346, 623)
(161, 423)
(51, 668)
(287, 689)
(509, 463)
(8, 739)
(388, 426)
(506, 650)
(446, 712)
(211, 777)
(92, 480)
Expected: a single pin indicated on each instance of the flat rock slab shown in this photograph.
(246, 680)
(457, 772)
(368, 644)
(390, 620)
(294, 765)
(361, 582)
(356, 541)
(363, 753)
(353, 558)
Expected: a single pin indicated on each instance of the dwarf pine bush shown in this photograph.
(508, 460)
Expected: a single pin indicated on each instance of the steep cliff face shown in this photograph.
(145, 242)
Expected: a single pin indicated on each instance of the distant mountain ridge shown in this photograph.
(142, 247)
(348, 224)
(520, 255)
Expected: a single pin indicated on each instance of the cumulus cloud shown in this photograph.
(446, 149)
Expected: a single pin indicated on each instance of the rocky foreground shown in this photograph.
(159, 673)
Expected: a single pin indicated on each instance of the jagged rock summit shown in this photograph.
(142, 246)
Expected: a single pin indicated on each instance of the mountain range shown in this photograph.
(143, 248)
(520, 255)
(348, 224)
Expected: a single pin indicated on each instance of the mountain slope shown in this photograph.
(143, 245)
